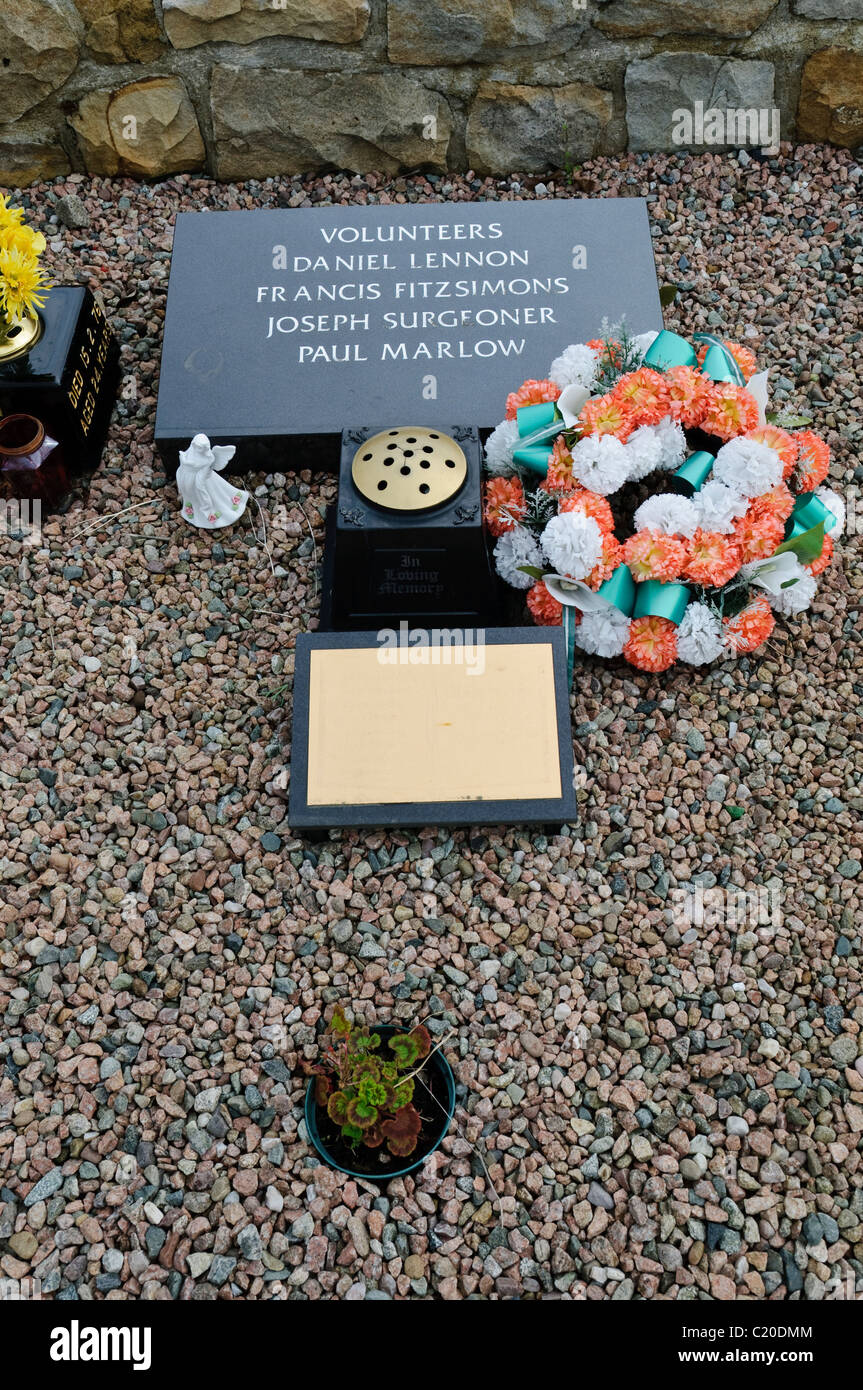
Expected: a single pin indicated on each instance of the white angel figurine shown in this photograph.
(208, 500)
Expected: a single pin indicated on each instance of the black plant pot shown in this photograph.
(381, 1164)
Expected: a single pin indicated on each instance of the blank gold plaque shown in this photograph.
(418, 732)
(409, 469)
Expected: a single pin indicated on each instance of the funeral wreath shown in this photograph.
(640, 495)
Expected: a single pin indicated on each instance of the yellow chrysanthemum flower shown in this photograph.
(9, 217)
(22, 284)
(21, 238)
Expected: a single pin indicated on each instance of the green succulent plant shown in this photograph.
(367, 1089)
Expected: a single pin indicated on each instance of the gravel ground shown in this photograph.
(648, 1108)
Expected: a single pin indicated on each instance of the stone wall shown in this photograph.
(249, 88)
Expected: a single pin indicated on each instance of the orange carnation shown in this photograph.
(593, 504)
(531, 393)
(813, 460)
(688, 394)
(504, 504)
(645, 394)
(652, 643)
(743, 356)
(544, 607)
(552, 490)
(819, 566)
(610, 353)
(758, 535)
(559, 476)
(777, 503)
(712, 559)
(750, 627)
(654, 555)
(784, 443)
(731, 411)
(612, 555)
(606, 415)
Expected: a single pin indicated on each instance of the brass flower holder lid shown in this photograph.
(409, 469)
(19, 337)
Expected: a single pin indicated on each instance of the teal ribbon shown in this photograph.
(693, 474)
(808, 511)
(656, 599)
(539, 426)
(718, 363)
(544, 415)
(620, 589)
(569, 625)
(670, 350)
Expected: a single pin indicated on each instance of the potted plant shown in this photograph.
(379, 1100)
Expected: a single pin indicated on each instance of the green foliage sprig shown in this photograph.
(539, 508)
(365, 1092)
(620, 354)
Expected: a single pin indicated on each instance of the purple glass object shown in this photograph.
(31, 462)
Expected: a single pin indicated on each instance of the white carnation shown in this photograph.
(515, 548)
(644, 452)
(718, 506)
(835, 504)
(572, 541)
(797, 597)
(656, 447)
(576, 366)
(643, 341)
(600, 462)
(748, 466)
(603, 632)
(499, 447)
(699, 636)
(673, 442)
(668, 513)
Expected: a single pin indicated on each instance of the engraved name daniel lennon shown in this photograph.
(488, 296)
(409, 577)
(94, 345)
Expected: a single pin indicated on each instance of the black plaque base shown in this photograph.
(68, 380)
(277, 453)
(430, 568)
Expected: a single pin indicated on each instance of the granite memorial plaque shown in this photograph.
(288, 324)
(421, 734)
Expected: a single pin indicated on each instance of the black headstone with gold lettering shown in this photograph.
(68, 379)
